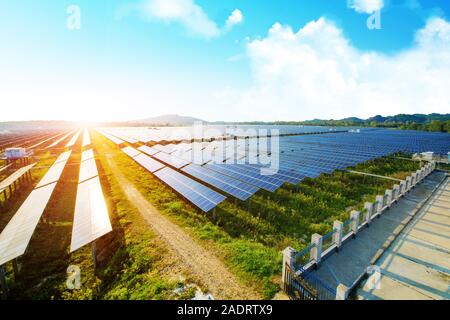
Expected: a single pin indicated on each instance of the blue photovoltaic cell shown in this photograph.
(201, 196)
(171, 160)
(148, 150)
(236, 188)
(131, 152)
(227, 170)
(148, 163)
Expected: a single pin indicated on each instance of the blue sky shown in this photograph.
(272, 60)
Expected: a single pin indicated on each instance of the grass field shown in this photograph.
(135, 264)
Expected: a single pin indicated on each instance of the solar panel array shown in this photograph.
(34, 146)
(111, 137)
(15, 237)
(86, 138)
(205, 132)
(198, 194)
(57, 142)
(73, 140)
(236, 188)
(4, 184)
(91, 218)
(239, 166)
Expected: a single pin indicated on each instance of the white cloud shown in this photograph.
(316, 72)
(235, 18)
(190, 15)
(365, 6)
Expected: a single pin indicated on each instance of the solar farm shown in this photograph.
(242, 193)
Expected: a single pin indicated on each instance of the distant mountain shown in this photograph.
(425, 122)
(405, 118)
(170, 119)
(399, 119)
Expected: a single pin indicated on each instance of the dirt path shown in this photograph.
(207, 267)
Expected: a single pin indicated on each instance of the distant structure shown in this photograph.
(14, 155)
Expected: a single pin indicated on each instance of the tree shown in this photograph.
(436, 126)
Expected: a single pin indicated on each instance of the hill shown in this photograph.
(170, 119)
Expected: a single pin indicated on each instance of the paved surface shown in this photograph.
(355, 255)
(417, 264)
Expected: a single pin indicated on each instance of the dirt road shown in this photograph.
(203, 264)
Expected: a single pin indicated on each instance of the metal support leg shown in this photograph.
(94, 256)
(3, 284)
(15, 268)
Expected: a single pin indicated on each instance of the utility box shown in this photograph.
(15, 153)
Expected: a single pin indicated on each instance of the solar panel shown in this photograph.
(131, 152)
(236, 188)
(111, 137)
(74, 139)
(87, 154)
(91, 218)
(243, 176)
(148, 163)
(14, 177)
(148, 150)
(171, 160)
(64, 137)
(44, 141)
(55, 170)
(86, 138)
(15, 237)
(201, 196)
(88, 170)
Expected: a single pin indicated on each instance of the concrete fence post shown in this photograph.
(379, 200)
(402, 188)
(338, 228)
(354, 215)
(288, 259)
(413, 180)
(395, 192)
(369, 212)
(418, 176)
(408, 184)
(341, 292)
(316, 250)
(388, 195)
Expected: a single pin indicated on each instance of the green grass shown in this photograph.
(249, 238)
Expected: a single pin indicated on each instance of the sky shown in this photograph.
(223, 60)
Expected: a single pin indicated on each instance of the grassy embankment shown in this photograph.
(249, 238)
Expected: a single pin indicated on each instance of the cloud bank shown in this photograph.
(316, 71)
(190, 15)
(365, 6)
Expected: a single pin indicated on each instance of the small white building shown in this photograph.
(15, 153)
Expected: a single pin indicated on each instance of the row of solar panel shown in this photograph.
(91, 218)
(201, 196)
(16, 235)
(231, 183)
